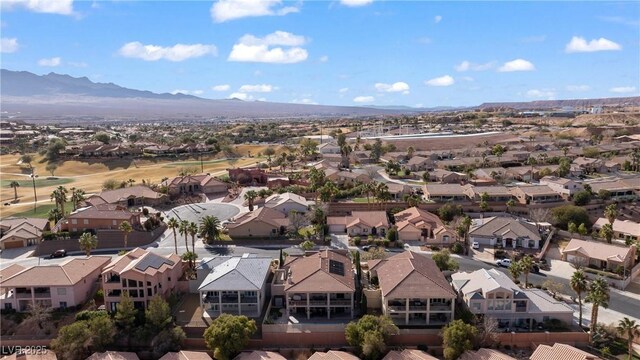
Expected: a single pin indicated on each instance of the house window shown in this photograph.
(476, 306)
(114, 222)
(85, 221)
(8, 306)
(445, 238)
(62, 291)
(74, 221)
(63, 304)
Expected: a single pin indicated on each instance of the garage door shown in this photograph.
(13, 244)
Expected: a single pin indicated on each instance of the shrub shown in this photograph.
(435, 248)
(356, 241)
(386, 243)
(457, 248)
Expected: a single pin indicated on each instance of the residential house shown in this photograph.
(414, 291)
(347, 177)
(622, 189)
(419, 163)
(244, 176)
(157, 149)
(261, 223)
(446, 176)
(57, 286)
(100, 217)
(444, 192)
(361, 157)
(318, 284)
(491, 173)
(415, 224)
(495, 194)
(535, 194)
(408, 354)
(398, 191)
(332, 355)
(329, 148)
(561, 351)
(360, 223)
(565, 187)
(195, 184)
(589, 165)
(506, 232)
(287, 202)
(143, 275)
(599, 255)
(186, 355)
(258, 355)
(128, 196)
(233, 285)
(44, 354)
(622, 229)
(114, 355)
(21, 232)
(492, 293)
(486, 354)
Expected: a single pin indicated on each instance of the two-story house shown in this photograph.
(319, 284)
(492, 293)
(53, 286)
(99, 217)
(565, 187)
(444, 192)
(233, 285)
(142, 274)
(414, 291)
(535, 194)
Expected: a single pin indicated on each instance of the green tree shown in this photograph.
(173, 224)
(392, 234)
(448, 211)
(158, 315)
(611, 212)
(444, 261)
(102, 137)
(15, 185)
(191, 258)
(73, 341)
(184, 230)
(629, 328)
(102, 331)
(229, 334)
(597, 295)
(510, 204)
(250, 196)
(606, 232)
(59, 195)
(88, 242)
(126, 313)
(370, 334)
(527, 264)
(54, 215)
(126, 228)
(581, 198)
(572, 228)
(563, 215)
(582, 229)
(317, 178)
(51, 168)
(516, 270)
(376, 150)
(210, 228)
(77, 196)
(193, 231)
(457, 338)
(307, 245)
(579, 285)
(564, 166)
(53, 152)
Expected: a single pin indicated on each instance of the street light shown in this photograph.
(33, 177)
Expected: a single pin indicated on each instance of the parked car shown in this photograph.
(475, 245)
(407, 246)
(369, 247)
(504, 262)
(535, 269)
(58, 253)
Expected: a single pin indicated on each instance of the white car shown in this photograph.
(504, 262)
(475, 245)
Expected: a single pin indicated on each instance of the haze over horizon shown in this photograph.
(348, 52)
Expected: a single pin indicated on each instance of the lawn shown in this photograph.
(364, 200)
(41, 182)
(42, 211)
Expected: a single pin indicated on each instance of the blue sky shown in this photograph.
(343, 52)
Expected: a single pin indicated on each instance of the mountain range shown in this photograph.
(58, 97)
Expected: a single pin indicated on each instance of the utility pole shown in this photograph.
(201, 163)
(35, 195)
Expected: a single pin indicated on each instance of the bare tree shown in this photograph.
(371, 171)
(487, 332)
(540, 215)
(553, 287)
(297, 221)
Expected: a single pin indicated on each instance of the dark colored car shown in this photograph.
(535, 269)
(58, 253)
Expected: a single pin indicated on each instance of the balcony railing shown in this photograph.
(21, 295)
(42, 295)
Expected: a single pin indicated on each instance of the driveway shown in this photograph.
(195, 212)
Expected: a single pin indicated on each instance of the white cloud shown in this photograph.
(517, 65)
(178, 52)
(224, 87)
(363, 99)
(253, 49)
(548, 94)
(355, 3)
(578, 88)
(241, 96)
(445, 80)
(343, 90)
(304, 101)
(54, 61)
(437, 19)
(62, 7)
(469, 66)
(261, 88)
(8, 45)
(399, 86)
(579, 44)
(187, 92)
(324, 58)
(623, 89)
(225, 10)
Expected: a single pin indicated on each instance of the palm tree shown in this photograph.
(184, 230)
(511, 203)
(126, 228)
(190, 257)
(54, 215)
(598, 295)
(250, 196)
(14, 184)
(466, 222)
(579, 284)
(60, 197)
(611, 212)
(77, 196)
(173, 224)
(606, 231)
(193, 231)
(527, 264)
(88, 241)
(629, 327)
(210, 228)
(516, 270)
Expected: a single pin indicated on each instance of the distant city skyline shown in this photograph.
(347, 52)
